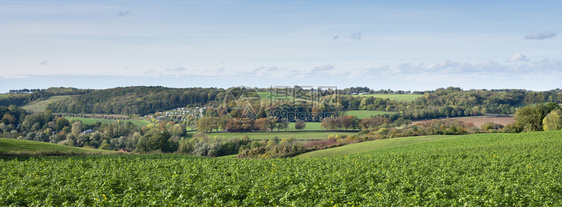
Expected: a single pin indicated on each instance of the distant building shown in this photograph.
(89, 131)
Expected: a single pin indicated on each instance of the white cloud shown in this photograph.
(178, 69)
(517, 57)
(356, 36)
(465, 71)
(540, 36)
(43, 62)
(123, 13)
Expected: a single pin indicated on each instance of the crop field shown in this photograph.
(398, 97)
(476, 170)
(372, 145)
(480, 120)
(271, 135)
(41, 106)
(26, 147)
(361, 114)
(139, 123)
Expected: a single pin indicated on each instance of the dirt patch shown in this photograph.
(479, 120)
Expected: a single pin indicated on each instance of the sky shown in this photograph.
(398, 45)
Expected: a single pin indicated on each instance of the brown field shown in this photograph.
(480, 120)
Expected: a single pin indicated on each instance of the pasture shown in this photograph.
(474, 170)
(26, 147)
(397, 97)
(361, 114)
(41, 105)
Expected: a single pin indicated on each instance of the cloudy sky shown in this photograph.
(400, 45)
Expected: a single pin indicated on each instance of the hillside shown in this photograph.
(26, 147)
(373, 145)
(136, 100)
(41, 105)
(475, 170)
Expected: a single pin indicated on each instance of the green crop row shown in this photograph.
(476, 170)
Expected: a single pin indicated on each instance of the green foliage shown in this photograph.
(478, 170)
(553, 121)
(136, 100)
(530, 118)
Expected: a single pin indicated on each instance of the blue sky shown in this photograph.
(400, 45)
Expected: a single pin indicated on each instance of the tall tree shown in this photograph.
(553, 121)
(299, 124)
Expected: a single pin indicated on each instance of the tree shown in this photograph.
(271, 122)
(77, 127)
(207, 124)
(261, 123)
(300, 124)
(61, 123)
(346, 121)
(528, 119)
(329, 123)
(284, 123)
(553, 121)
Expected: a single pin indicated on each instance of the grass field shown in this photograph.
(41, 106)
(26, 147)
(372, 145)
(139, 123)
(398, 97)
(361, 114)
(280, 135)
(479, 120)
(474, 170)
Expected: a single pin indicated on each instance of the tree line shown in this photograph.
(138, 100)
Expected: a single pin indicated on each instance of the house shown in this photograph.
(89, 131)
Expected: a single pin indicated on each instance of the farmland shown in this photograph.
(41, 106)
(371, 145)
(26, 147)
(313, 131)
(475, 170)
(361, 114)
(304, 135)
(479, 120)
(398, 97)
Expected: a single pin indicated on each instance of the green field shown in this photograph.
(313, 130)
(361, 114)
(474, 170)
(280, 135)
(398, 97)
(41, 106)
(139, 123)
(26, 147)
(372, 145)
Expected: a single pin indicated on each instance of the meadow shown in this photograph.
(41, 106)
(139, 123)
(312, 131)
(361, 114)
(398, 97)
(475, 170)
(26, 147)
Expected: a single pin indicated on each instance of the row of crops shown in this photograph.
(476, 170)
